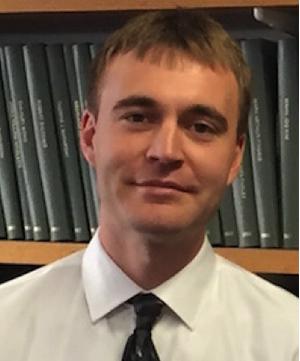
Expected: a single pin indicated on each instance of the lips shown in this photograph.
(156, 183)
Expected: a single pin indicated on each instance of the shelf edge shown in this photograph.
(25, 6)
(278, 261)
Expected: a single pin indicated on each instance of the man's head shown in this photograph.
(162, 128)
(171, 33)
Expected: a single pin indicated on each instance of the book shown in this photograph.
(82, 61)
(20, 101)
(67, 140)
(77, 110)
(213, 230)
(94, 49)
(228, 219)
(244, 203)
(59, 216)
(2, 222)
(288, 105)
(9, 193)
(260, 55)
(18, 162)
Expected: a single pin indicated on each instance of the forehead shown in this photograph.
(177, 80)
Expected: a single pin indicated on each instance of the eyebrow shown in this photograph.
(136, 100)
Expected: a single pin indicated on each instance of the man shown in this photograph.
(165, 131)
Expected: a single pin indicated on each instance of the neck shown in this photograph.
(150, 260)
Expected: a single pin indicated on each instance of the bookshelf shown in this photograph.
(32, 14)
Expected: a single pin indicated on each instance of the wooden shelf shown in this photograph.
(255, 260)
(25, 6)
(284, 261)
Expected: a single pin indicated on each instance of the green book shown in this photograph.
(67, 140)
(94, 48)
(82, 61)
(261, 56)
(2, 222)
(9, 193)
(288, 105)
(77, 110)
(13, 233)
(59, 216)
(228, 219)
(213, 230)
(244, 203)
(20, 100)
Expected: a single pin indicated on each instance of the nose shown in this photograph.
(166, 145)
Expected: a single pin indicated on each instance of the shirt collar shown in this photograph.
(184, 292)
(106, 286)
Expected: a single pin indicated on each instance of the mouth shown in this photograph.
(166, 185)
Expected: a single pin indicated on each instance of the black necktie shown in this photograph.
(139, 346)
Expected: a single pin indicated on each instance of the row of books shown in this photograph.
(261, 207)
(47, 190)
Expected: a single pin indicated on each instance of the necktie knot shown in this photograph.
(147, 308)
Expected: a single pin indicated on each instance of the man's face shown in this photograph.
(164, 144)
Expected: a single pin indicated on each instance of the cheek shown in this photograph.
(112, 161)
(213, 168)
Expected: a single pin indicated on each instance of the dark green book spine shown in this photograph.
(82, 61)
(260, 56)
(13, 233)
(213, 230)
(288, 77)
(9, 193)
(20, 100)
(2, 222)
(228, 219)
(59, 216)
(67, 140)
(76, 108)
(94, 48)
(244, 203)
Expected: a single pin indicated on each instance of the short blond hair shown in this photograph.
(192, 33)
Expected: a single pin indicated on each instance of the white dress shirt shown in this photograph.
(74, 310)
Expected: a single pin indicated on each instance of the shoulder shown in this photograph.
(257, 296)
(261, 313)
(53, 279)
(33, 306)
(248, 282)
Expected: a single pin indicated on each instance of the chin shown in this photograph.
(159, 227)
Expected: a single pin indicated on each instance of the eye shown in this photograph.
(135, 117)
(202, 127)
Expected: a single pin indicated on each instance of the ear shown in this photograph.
(237, 159)
(87, 132)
